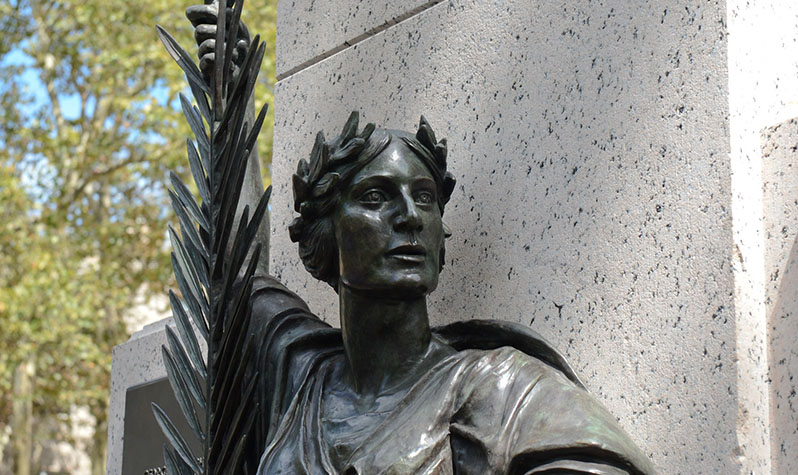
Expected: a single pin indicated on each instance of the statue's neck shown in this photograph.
(385, 340)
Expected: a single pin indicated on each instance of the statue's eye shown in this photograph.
(373, 196)
(425, 197)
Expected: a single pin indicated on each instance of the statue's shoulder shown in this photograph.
(588, 438)
(493, 334)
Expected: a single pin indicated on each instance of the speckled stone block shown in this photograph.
(590, 142)
(780, 187)
(135, 362)
(311, 29)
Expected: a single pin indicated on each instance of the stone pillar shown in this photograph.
(763, 93)
(780, 200)
(610, 190)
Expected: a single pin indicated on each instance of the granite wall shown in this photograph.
(591, 141)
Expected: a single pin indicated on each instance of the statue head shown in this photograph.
(382, 193)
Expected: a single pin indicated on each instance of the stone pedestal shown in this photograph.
(135, 362)
(611, 188)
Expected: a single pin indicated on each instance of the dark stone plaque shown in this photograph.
(142, 450)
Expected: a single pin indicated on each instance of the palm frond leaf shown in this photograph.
(175, 464)
(177, 379)
(175, 438)
(214, 260)
(187, 335)
(187, 373)
(183, 60)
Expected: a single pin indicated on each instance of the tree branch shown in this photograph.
(47, 65)
(97, 174)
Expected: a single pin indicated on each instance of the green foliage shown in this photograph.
(89, 126)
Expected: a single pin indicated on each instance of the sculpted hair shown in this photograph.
(317, 186)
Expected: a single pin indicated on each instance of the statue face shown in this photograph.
(388, 227)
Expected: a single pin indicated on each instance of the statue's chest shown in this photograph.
(405, 432)
(347, 420)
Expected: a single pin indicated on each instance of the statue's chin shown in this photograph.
(404, 289)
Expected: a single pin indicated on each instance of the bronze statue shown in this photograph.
(386, 393)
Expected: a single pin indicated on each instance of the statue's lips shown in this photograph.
(408, 253)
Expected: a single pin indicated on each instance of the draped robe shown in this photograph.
(504, 402)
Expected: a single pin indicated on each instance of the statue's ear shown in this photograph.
(447, 233)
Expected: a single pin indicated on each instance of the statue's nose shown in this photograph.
(408, 217)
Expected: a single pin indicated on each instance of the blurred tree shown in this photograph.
(89, 124)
